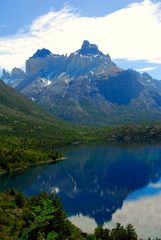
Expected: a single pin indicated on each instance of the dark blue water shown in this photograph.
(102, 185)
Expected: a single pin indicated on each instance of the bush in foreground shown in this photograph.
(43, 218)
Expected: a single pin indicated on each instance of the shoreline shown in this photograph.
(50, 161)
(16, 170)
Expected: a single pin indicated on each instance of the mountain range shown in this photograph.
(87, 87)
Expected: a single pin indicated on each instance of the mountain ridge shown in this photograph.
(86, 87)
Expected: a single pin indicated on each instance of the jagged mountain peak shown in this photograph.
(89, 59)
(88, 87)
(16, 70)
(42, 53)
(14, 77)
(17, 73)
(88, 48)
(5, 74)
(146, 76)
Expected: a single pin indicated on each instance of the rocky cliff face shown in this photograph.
(16, 76)
(43, 62)
(88, 88)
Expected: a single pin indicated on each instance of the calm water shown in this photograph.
(102, 185)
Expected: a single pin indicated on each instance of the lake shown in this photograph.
(102, 184)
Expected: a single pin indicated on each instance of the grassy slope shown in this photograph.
(27, 132)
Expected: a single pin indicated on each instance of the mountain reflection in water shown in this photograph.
(101, 184)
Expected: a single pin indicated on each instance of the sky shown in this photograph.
(128, 30)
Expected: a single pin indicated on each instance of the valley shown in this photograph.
(80, 120)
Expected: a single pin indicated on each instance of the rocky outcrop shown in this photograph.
(5, 75)
(17, 73)
(87, 87)
(89, 49)
(14, 78)
(44, 63)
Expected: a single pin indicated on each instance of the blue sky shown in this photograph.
(128, 30)
(17, 13)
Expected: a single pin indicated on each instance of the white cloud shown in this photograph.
(144, 214)
(146, 69)
(133, 33)
(85, 223)
(155, 185)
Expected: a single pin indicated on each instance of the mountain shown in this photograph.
(23, 121)
(86, 87)
(29, 135)
(14, 78)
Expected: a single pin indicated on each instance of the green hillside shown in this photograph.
(27, 133)
(19, 115)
